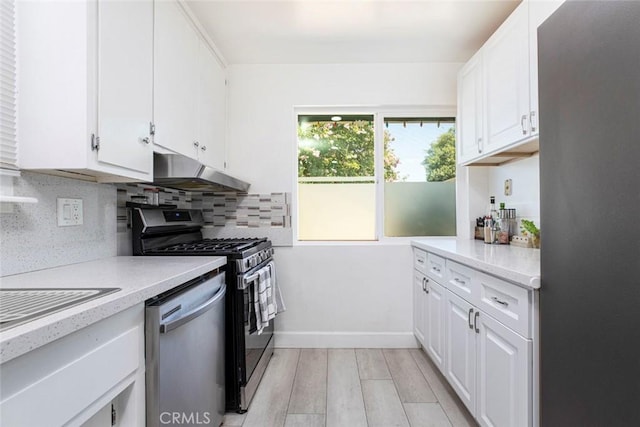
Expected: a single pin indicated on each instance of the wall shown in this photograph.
(341, 295)
(30, 238)
(525, 196)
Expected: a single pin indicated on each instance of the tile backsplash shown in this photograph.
(30, 238)
(226, 214)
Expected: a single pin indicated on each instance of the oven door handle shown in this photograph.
(190, 315)
(251, 276)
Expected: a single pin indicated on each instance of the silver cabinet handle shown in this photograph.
(203, 148)
(531, 121)
(426, 288)
(470, 313)
(421, 261)
(462, 282)
(475, 322)
(424, 284)
(479, 147)
(196, 144)
(500, 301)
(146, 140)
(522, 123)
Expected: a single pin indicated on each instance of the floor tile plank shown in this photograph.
(371, 364)
(453, 407)
(382, 404)
(426, 415)
(309, 394)
(233, 420)
(269, 405)
(411, 384)
(304, 420)
(345, 405)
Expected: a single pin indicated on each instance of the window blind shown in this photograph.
(8, 142)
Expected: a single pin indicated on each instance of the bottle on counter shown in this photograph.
(490, 222)
(503, 233)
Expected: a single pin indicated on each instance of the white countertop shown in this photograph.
(516, 264)
(139, 278)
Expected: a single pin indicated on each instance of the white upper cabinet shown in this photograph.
(189, 107)
(125, 62)
(506, 81)
(85, 88)
(212, 110)
(175, 82)
(470, 109)
(506, 124)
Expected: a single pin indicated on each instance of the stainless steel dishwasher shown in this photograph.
(185, 354)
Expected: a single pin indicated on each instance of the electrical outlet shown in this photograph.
(507, 187)
(69, 212)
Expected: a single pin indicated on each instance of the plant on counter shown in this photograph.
(529, 227)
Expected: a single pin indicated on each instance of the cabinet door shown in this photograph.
(504, 375)
(460, 350)
(539, 11)
(506, 81)
(211, 109)
(175, 82)
(434, 316)
(419, 283)
(125, 64)
(470, 110)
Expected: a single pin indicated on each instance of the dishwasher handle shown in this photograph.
(190, 315)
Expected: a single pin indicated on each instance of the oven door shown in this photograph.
(255, 343)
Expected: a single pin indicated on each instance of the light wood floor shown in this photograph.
(352, 388)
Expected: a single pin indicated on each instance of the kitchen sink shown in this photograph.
(18, 306)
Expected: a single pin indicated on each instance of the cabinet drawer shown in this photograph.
(506, 302)
(435, 267)
(460, 280)
(420, 260)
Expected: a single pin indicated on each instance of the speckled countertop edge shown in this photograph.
(23, 338)
(518, 265)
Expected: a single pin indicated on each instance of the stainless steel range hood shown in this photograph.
(183, 173)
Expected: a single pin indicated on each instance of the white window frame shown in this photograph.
(379, 115)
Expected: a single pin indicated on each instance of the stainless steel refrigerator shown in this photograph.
(589, 83)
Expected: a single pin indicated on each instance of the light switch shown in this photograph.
(69, 212)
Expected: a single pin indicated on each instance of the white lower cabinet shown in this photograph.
(80, 378)
(434, 323)
(488, 364)
(504, 361)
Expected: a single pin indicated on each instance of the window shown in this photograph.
(360, 176)
(420, 189)
(336, 178)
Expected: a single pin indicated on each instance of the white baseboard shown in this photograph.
(345, 340)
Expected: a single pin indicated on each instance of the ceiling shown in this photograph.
(349, 31)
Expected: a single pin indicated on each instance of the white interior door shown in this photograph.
(504, 376)
(125, 64)
(460, 350)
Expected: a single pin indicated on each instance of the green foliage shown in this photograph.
(529, 227)
(440, 161)
(341, 149)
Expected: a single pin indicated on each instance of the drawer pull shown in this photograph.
(475, 322)
(421, 261)
(470, 313)
(462, 282)
(506, 304)
(424, 284)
